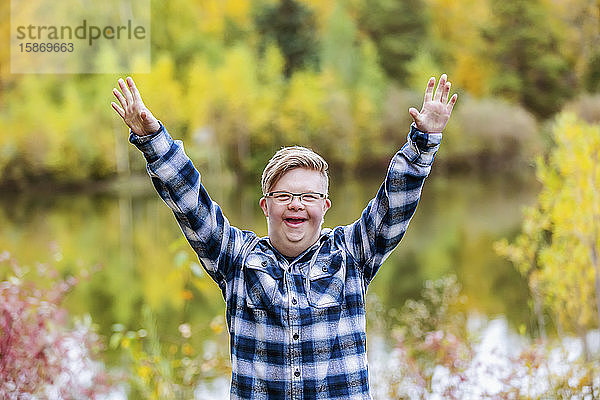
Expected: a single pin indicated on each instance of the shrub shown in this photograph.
(435, 356)
(168, 368)
(41, 356)
(492, 134)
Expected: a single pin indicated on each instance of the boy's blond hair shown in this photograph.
(289, 158)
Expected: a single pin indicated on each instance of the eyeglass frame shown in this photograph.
(321, 196)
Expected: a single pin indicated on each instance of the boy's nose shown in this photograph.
(295, 204)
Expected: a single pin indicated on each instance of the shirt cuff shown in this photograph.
(153, 146)
(421, 147)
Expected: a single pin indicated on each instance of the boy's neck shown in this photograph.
(289, 257)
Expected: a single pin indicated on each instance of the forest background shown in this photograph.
(238, 79)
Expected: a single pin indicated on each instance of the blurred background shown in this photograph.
(238, 79)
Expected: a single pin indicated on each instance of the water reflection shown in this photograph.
(133, 237)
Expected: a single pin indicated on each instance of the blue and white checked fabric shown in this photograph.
(297, 329)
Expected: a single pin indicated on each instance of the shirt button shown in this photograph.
(294, 301)
(297, 373)
(296, 336)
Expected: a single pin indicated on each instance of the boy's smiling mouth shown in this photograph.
(294, 221)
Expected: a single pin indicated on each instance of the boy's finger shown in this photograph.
(120, 97)
(413, 112)
(126, 92)
(440, 87)
(452, 103)
(118, 109)
(134, 91)
(446, 92)
(429, 89)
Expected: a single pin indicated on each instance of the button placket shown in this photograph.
(294, 332)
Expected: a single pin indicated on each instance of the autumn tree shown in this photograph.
(460, 47)
(559, 247)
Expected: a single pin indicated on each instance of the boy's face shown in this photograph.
(294, 227)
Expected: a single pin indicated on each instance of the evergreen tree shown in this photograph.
(397, 27)
(531, 69)
(292, 26)
(591, 79)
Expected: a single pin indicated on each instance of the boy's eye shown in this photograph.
(282, 196)
(310, 197)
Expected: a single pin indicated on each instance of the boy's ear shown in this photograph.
(326, 205)
(263, 204)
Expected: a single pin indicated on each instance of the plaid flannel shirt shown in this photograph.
(297, 329)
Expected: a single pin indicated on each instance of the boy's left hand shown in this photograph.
(436, 110)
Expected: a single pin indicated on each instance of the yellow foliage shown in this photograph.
(163, 93)
(462, 42)
(302, 107)
(561, 236)
(471, 72)
(198, 96)
(5, 37)
(213, 14)
(237, 10)
(235, 82)
(144, 372)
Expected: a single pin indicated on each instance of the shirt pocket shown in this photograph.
(262, 278)
(326, 280)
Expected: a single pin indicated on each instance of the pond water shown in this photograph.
(130, 237)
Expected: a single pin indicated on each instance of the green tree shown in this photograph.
(531, 69)
(398, 29)
(559, 247)
(591, 77)
(292, 26)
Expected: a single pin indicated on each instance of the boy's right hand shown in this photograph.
(133, 111)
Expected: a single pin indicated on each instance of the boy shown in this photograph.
(296, 298)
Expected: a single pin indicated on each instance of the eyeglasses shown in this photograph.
(307, 198)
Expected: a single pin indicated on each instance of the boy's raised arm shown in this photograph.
(384, 221)
(177, 182)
